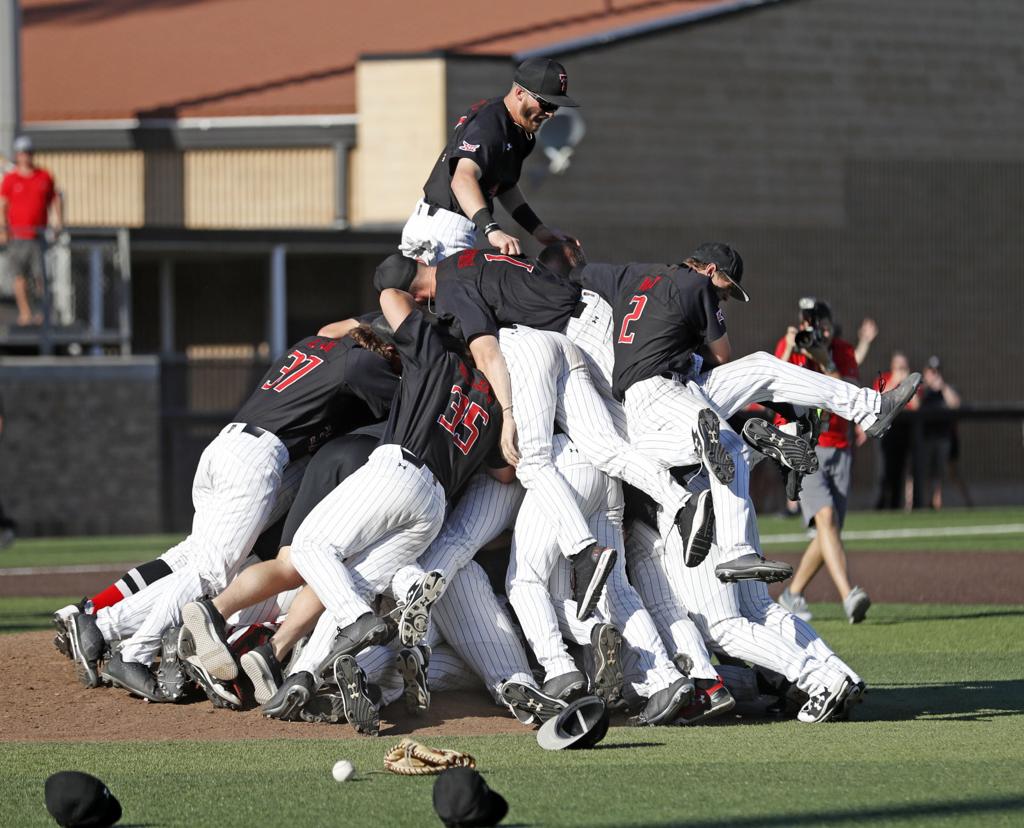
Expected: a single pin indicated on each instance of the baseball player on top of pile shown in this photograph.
(545, 396)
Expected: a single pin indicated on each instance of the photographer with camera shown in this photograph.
(824, 494)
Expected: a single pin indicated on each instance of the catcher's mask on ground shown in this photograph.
(78, 799)
(581, 725)
(462, 798)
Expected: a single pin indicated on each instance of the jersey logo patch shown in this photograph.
(499, 257)
(648, 282)
(465, 146)
(466, 258)
(720, 316)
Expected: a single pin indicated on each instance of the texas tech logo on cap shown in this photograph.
(563, 79)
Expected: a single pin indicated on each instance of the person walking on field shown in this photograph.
(824, 494)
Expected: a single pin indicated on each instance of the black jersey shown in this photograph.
(486, 290)
(487, 134)
(321, 388)
(444, 412)
(662, 314)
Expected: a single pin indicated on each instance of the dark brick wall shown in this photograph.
(864, 151)
(81, 447)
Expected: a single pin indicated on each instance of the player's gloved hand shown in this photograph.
(508, 245)
(509, 447)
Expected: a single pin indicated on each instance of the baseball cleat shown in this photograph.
(606, 646)
(206, 626)
(528, 704)
(415, 617)
(324, 708)
(856, 605)
(665, 705)
(412, 665)
(293, 695)
(566, 687)
(60, 624)
(134, 677)
(218, 694)
(87, 647)
(825, 702)
(366, 631)
(696, 525)
(590, 570)
(752, 567)
(262, 668)
(360, 709)
(792, 452)
(892, 404)
(711, 698)
(708, 440)
(170, 675)
(858, 690)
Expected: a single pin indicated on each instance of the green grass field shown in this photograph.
(938, 742)
(955, 529)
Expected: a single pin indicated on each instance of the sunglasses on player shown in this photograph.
(545, 106)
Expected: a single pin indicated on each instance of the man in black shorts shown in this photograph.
(482, 161)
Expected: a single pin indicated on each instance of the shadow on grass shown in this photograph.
(965, 701)
(962, 616)
(861, 816)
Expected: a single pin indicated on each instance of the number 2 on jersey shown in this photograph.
(462, 424)
(639, 302)
(300, 365)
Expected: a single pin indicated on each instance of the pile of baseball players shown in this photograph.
(332, 567)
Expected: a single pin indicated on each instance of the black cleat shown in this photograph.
(529, 704)
(566, 687)
(792, 452)
(708, 440)
(262, 668)
(170, 675)
(291, 697)
(415, 615)
(134, 677)
(606, 647)
(218, 694)
(711, 699)
(206, 625)
(60, 624)
(366, 631)
(87, 647)
(590, 570)
(665, 705)
(696, 525)
(892, 404)
(412, 665)
(362, 712)
(752, 567)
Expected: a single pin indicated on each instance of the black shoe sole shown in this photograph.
(360, 710)
(709, 440)
(87, 671)
(323, 708)
(414, 677)
(770, 572)
(135, 691)
(605, 564)
(702, 531)
(608, 677)
(415, 617)
(170, 675)
(834, 704)
(211, 649)
(677, 701)
(289, 707)
(194, 669)
(531, 701)
(792, 452)
(884, 422)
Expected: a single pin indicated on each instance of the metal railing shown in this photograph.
(86, 296)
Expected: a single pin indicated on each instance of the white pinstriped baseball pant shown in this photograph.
(242, 484)
(551, 384)
(431, 238)
(539, 593)
(352, 543)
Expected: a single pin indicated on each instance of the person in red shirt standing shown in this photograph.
(824, 494)
(26, 195)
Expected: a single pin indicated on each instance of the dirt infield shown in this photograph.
(50, 705)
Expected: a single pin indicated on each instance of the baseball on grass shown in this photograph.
(342, 770)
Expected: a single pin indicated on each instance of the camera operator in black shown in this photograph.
(483, 161)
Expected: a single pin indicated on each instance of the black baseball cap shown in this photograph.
(396, 271)
(545, 79)
(579, 726)
(78, 800)
(728, 262)
(462, 799)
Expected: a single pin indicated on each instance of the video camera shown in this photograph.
(812, 312)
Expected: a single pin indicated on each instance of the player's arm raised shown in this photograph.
(491, 362)
(466, 187)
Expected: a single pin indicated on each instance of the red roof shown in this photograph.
(85, 59)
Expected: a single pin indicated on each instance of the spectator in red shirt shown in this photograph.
(26, 196)
(894, 447)
(824, 494)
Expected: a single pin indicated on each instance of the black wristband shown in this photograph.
(482, 218)
(526, 218)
